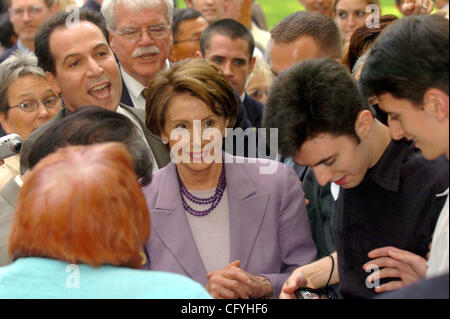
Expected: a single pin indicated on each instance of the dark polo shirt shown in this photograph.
(395, 205)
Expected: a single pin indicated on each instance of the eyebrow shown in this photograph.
(323, 161)
(77, 54)
(210, 117)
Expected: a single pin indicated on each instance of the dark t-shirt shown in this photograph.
(395, 205)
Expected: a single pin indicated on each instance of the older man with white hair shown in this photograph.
(141, 39)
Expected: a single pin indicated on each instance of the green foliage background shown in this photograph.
(277, 10)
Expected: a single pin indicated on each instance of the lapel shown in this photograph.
(159, 150)
(247, 210)
(125, 99)
(170, 223)
(10, 192)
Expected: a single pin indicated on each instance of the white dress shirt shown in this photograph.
(438, 262)
(135, 90)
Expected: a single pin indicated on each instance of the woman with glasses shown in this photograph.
(26, 102)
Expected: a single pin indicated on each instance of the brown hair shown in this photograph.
(196, 77)
(309, 23)
(362, 39)
(82, 204)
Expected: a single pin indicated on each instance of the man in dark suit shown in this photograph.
(229, 45)
(140, 54)
(26, 17)
(81, 67)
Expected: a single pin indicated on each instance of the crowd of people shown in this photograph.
(196, 153)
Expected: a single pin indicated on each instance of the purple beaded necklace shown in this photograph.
(213, 200)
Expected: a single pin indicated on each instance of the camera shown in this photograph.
(308, 293)
(10, 145)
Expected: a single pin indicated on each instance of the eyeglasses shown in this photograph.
(187, 40)
(32, 11)
(32, 105)
(134, 34)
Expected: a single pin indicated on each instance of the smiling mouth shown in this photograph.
(147, 56)
(102, 91)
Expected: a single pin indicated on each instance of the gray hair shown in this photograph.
(21, 63)
(135, 5)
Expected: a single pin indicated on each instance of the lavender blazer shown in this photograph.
(269, 227)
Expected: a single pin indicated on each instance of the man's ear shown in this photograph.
(188, 3)
(198, 55)
(363, 123)
(53, 83)
(436, 102)
(4, 124)
(172, 56)
(251, 65)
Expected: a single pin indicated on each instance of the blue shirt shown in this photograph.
(44, 278)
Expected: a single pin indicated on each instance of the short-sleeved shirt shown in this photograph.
(394, 205)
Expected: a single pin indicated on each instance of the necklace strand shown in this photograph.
(213, 200)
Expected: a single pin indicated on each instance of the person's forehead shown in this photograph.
(222, 44)
(285, 55)
(150, 15)
(21, 3)
(201, 2)
(322, 147)
(191, 25)
(351, 4)
(65, 40)
(391, 104)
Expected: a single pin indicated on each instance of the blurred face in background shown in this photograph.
(27, 15)
(212, 10)
(232, 56)
(259, 85)
(186, 41)
(322, 6)
(349, 15)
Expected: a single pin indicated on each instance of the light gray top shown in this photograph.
(211, 232)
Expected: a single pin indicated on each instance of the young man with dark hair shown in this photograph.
(325, 123)
(81, 67)
(229, 45)
(412, 87)
(188, 25)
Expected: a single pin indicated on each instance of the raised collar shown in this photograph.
(387, 172)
